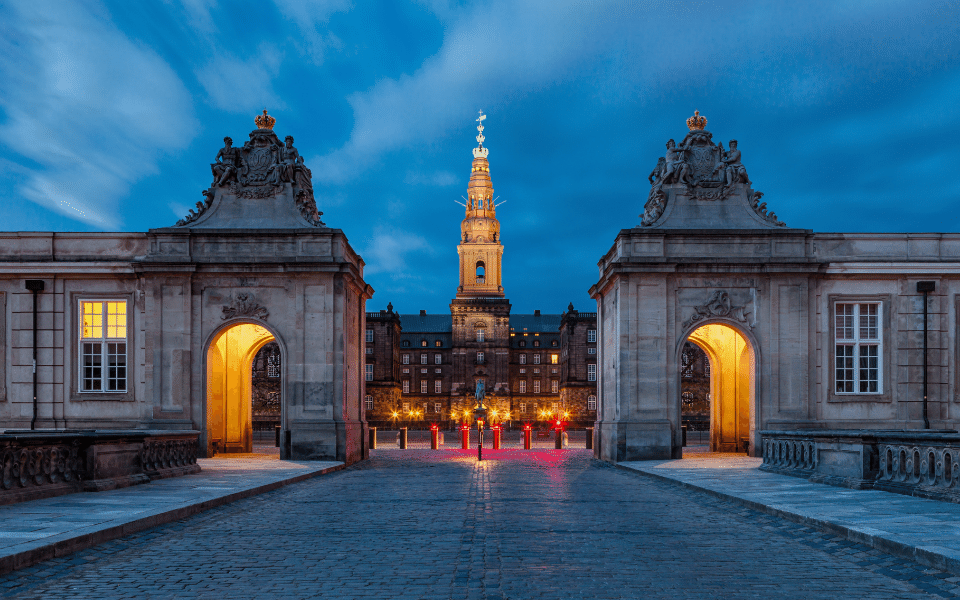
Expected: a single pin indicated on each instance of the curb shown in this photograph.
(63, 547)
(931, 556)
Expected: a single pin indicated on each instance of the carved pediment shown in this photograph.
(244, 306)
(719, 304)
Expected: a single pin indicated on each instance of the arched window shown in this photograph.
(523, 343)
(591, 403)
(536, 343)
(438, 344)
(423, 343)
(554, 343)
(480, 271)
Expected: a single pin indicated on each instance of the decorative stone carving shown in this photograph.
(201, 208)
(42, 465)
(761, 210)
(720, 305)
(160, 455)
(244, 306)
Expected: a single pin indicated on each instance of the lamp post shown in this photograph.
(480, 413)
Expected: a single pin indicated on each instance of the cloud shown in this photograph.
(242, 85)
(309, 16)
(87, 108)
(386, 252)
(437, 178)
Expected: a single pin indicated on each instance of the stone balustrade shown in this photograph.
(41, 464)
(915, 463)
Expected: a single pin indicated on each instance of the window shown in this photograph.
(406, 407)
(536, 359)
(554, 371)
(591, 335)
(479, 358)
(406, 386)
(437, 387)
(273, 365)
(522, 371)
(536, 371)
(423, 359)
(554, 386)
(523, 386)
(369, 335)
(591, 403)
(103, 343)
(437, 359)
(591, 350)
(369, 372)
(368, 402)
(423, 343)
(523, 344)
(686, 364)
(438, 344)
(554, 343)
(423, 370)
(536, 343)
(406, 370)
(536, 386)
(523, 407)
(405, 343)
(438, 370)
(423, 386)
(554, 359)
(523, 359)
(706, 365)
(480, 334)
(857, 332)
(591, 372)
(437, 407)
(480, 272)
(369, 350)
(405, 359)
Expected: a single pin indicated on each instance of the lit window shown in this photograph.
(423, 359)
(480, 334)
(536, 359)
(406, 386)
(479, 358)
(406, 407)
(423, 386)
(437, 387)
(554, 343)
(523, 407)
(437, 407)
(536, 386)
(405, 359)
(369, 335)
(437, 359)
(554, 386)
(423, 343)
(591, 372)
(368, 402)
(554, 359)
(858, 345)
(523, 359)
(523, 387)
(103, 346)
(438, 344)
(591, 335)
(369, 372)
(591, 403)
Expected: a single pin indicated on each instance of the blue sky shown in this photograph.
(846, 114)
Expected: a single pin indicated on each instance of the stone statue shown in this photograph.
(676, 169)
(479, 394)
(657, 174)
(733, 170)
(227, 161)
(289, 158)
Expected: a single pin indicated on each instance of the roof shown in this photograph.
(426, 323)
(535, 323)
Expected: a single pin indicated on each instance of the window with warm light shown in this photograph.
(554, 386)
(857, 330)
(437, 408)
(103, 346)
(554, 359)
(536, 386)
(368, 402)
(406, 407)
(480, 334)
(523, 407)
(406, 386)
(423, 343)
(438, 344)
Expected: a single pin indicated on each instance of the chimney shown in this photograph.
(423, 313)
(536, 313)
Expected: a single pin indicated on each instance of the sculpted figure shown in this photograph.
(479, 394)
(733, 170)
(657, 174)
(676, 169)
(227, 161)
(289, 158)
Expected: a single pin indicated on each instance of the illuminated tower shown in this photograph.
(480, 313)
(480, 249)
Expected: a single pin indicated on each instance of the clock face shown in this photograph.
(480, 222)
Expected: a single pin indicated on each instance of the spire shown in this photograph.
(480, 188)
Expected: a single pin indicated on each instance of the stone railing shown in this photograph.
(41, 464)
(916, 463)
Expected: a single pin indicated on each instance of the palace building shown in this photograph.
(423, 369)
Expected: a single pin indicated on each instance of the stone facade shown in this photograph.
(253, 257)
(827, 329)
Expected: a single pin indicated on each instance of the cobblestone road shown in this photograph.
(539, 524)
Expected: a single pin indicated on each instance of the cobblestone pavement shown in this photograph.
(438, 525)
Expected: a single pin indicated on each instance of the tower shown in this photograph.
(480, 249)
(480, 313)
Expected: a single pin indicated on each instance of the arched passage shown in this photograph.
(732, 385)
(229, 386)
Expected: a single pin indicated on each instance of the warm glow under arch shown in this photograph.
(229, 386)
(732, 385)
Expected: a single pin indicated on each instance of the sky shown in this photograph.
(846, 114)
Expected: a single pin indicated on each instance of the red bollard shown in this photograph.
(434, 438)
(465, 437)
(496, 436)
(526, 437)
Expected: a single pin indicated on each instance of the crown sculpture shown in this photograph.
(699, 171)
(264, 170)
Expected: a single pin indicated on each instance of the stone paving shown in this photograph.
(41, 529)
(438, 525)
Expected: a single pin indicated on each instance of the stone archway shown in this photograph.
(229, 405)
(732, 385)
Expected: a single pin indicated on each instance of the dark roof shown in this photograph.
(535, 323)
(427, 323)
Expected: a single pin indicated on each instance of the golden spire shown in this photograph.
(696, 122)
(265, 121)
(480, 150)
(480, 188)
